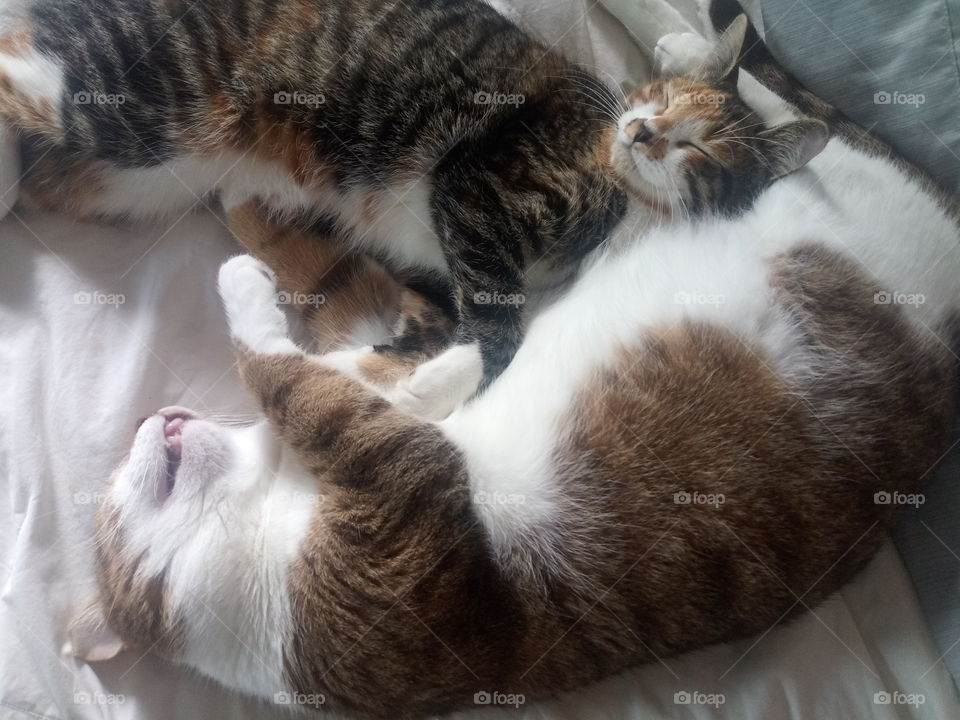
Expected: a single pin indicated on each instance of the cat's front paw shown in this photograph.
(249, 292)
(441, 385)
(680, 54)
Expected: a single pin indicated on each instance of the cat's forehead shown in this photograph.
(687, 95)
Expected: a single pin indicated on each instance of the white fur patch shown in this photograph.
(680, 53)
(442, 384)
(36, 77)
(249, 292)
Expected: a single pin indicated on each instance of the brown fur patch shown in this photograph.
(59, 182)
(333, 285)
(137, 608)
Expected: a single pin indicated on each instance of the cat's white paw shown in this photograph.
(441, 385)
(9, 171)
(680, 53)
(249, 292)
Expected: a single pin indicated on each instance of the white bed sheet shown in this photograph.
(100, 325)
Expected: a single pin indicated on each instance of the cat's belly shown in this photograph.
(392, 221)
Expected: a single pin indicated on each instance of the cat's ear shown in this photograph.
(794, 144)
(90, 637)
(722, 62)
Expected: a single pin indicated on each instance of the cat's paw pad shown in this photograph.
(249, 292)
(440, 386)
(680, 53)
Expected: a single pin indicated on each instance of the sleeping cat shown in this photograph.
(709, 432)
(434, 135)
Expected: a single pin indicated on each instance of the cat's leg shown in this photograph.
(347, 299)
(248, 288)
(487, 272)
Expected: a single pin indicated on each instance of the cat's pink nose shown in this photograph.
(173, 427)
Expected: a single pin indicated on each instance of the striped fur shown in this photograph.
(438, 137)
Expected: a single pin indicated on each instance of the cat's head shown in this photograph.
(690, 146)
(184, 566)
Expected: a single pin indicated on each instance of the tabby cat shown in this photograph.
(709, 432)
(436, 136)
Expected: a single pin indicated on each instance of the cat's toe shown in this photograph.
(680, 53)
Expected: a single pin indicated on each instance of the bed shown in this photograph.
(102, 324)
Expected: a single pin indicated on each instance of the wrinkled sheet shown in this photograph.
(100, 325)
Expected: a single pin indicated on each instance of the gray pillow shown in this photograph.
(890, 64)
